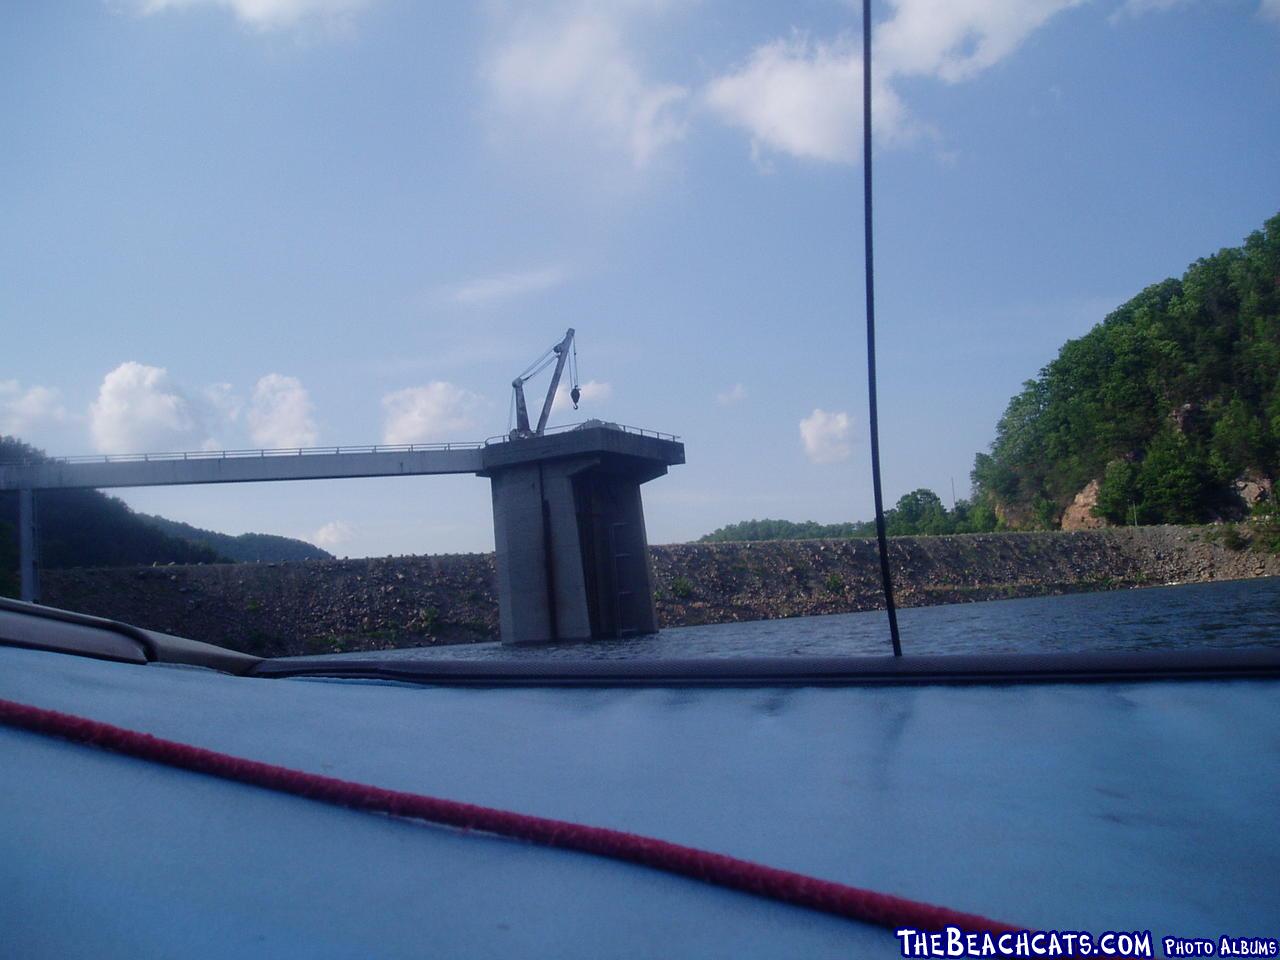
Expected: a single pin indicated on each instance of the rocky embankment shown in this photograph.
(328, 606)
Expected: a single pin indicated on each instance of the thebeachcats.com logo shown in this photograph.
(1223, 946)
(954, 942)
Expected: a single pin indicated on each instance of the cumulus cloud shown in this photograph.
(571, 67)
(1136, 8)
(333, 534)
(439, 411)
(266, 14)
(139, 409)
(826, 436)
(504, 286)
(956, 40)
(804, 98)
(1267, 9)
(224, 401)
(593, 392)
(735, 394)
(25, 410)
(280, 413)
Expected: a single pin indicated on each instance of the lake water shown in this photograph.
(1230, 614)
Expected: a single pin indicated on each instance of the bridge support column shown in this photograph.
(28, 568)
(541, 590)
(572, 552)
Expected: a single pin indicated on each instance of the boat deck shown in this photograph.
(1107, 806)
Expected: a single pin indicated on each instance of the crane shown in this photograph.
(559, 354)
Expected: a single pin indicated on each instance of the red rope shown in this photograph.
(795, 888)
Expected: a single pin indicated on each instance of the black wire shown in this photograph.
(881, 538)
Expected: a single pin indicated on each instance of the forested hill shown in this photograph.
(920, 513)
(245, 548)
(787, 530)
(1168, 402)
(86, 528)
(1162, 413)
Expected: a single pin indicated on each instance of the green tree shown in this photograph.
(1170, 481)
(919, 512)
(1118, 492)
(1240, 442)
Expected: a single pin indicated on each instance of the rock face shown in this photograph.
(1014, 516)
(1253, 488)
(279, 609)
(1079, 515)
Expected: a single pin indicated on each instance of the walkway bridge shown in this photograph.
(572, 552)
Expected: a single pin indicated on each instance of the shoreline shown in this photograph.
(311, 607)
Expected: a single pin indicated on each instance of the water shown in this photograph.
(1230, 614)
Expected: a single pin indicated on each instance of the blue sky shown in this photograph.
(238, 223)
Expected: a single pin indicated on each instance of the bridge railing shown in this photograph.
(257, 452)
(569, 427)
(319, 451)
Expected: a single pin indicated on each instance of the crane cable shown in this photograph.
(881, 538)
(529, 372)
(575, 393)
(539, 365)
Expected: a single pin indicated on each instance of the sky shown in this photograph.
(233, 224)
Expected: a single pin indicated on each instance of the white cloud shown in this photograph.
(333, 534)
(826, 436)
(224, 401)
(1136, 8)
(23, 411)
(139, 409)
(569, 67)
(267, 14)
(439, 411)
(504, 286)
(593, 392)
(735, 394)
(804, 98)
(280, 413)
(956, 40)
(1267, 9)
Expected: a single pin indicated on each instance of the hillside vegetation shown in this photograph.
(244, 548)
(1167, 402)
(1170, 405)
(86, 528)
(920, 513)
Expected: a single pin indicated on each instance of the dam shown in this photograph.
(569, 532)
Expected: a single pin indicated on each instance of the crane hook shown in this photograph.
(575, 395)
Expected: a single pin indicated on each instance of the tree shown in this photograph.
(1170, 481)
(1240, 442)
(918, 512)
(1118, 492)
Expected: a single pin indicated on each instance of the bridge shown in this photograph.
(572, 552)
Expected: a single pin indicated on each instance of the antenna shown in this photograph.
(881, 539)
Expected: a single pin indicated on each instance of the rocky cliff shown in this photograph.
(328, 606)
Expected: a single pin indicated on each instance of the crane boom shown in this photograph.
(562, 349)
(561, 354)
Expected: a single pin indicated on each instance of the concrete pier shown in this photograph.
(573, 555)
(572, 552)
